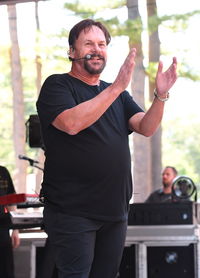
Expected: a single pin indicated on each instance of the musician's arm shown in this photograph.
(11, 208)
(15, 233)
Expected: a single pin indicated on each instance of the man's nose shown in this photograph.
(95, 47)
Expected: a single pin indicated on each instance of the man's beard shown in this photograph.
(91, 70)
(166, 185)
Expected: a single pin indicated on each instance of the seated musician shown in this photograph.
(7, 242)
(164, 194)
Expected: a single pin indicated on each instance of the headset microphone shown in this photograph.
(87, 57)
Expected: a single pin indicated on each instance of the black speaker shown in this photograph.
(163, 213)
(127, 266)
(33, 132)
(171, 261)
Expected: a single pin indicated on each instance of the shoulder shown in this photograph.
(159, 191)
(3, 169)
(55, 83)
(156, 192)
(56, 78)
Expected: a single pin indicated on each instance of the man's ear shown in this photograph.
(71, 52)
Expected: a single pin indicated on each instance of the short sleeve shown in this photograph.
(56, 95)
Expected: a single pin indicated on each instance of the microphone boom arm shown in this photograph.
(31, 161)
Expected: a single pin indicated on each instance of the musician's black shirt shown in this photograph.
(158, 196)
(6, 187)
(88, 174)
(6, 184)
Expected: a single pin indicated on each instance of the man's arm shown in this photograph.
(83, 115)
(15, 233)
(147, 123)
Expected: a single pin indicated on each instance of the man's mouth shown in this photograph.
(96, 57)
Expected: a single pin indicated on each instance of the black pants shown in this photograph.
(85, 248)
(47, 267)
(6, 255)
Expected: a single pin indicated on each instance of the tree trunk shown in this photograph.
(154, 55)
(141, 173)
(37, 57)
(38, 173)
(18, 103)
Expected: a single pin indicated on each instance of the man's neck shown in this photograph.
(90, 79)
(167, 190)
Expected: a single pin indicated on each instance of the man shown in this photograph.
(164, 194)
(87, 177)
(7, 243)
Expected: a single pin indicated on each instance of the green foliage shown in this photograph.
(6, 117)
(130, 28)
(5, 69)
(153, 23)
(53, 51)
(184, 70)
(181, 140)
(175, 22)
(151, 71)
(133, 30)
(84, 8)
(6, 120)
(178, 22)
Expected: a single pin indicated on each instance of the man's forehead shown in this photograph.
(167, 170)
(90, 31)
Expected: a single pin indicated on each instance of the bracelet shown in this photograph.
(161, 99)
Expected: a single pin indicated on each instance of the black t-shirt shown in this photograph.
(88, 174)
(158, 196)
(6, 184)
(6, 187)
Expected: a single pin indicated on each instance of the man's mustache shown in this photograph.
(95, 55)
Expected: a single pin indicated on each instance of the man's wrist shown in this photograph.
(160, 98)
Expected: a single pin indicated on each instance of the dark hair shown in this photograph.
(86, 24)
(173, 169)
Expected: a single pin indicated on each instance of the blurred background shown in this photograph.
(34, 45)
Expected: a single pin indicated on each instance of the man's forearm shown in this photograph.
(75, 119)
(147, 123)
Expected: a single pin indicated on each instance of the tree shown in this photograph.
(18, 101)
(38, 172)
(154, 56)
(38, 57)
(141, 159)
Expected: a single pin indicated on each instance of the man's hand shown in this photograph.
(165, 80)
(15, 238)
(126, 71)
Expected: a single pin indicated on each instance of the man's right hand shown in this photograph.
(126, 71)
